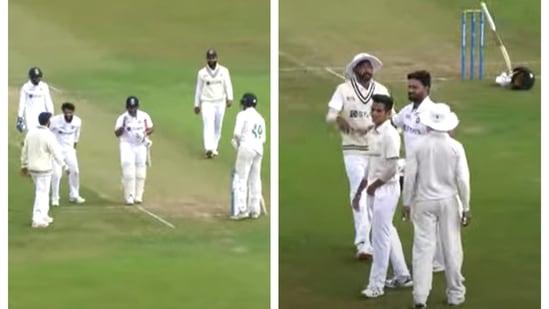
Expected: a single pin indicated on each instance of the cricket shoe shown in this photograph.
(255, 215)
(399, 282)
(138, 201)
(130, 201)
(438, 268)
(209, 154)
(39, 225)
(240, 216)
(48, 219)
(370, 292)
(77, 200)
(215, 153)
(419, 306)
(55, 203)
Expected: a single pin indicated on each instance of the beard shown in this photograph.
(68, 118)
(212, 64)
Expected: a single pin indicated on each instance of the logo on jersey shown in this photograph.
(358, 114)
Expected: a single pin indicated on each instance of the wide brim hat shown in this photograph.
(374, 61)
(439, 118)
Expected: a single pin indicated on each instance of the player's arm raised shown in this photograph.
(198, 93)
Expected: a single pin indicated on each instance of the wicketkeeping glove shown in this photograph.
(20, 126)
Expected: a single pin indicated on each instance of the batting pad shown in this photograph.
(140, 176)
(128, 180)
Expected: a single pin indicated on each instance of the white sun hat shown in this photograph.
(376, 63)
(440, 118)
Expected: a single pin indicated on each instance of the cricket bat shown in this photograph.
(499, 41)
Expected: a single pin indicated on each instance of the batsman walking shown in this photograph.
(436, 186)
(133, 129)
(249, 137)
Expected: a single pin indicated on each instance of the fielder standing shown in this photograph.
(436, 186)
(214, 92)
(249, 137)
(133, 128)
(350, 108)
(39, 151)
(407, 119)
(66, 128)
(34, 98)
(383, 189)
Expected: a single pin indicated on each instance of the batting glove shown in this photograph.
(20, 126)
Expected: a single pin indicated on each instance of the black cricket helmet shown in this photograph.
(211, 54)
(522, 79)
(132, 101)
(248, 100)
(35, 73)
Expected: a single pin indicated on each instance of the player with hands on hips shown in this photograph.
(66, 127)
(34, 98)
(214, 93)
(133, 129)
(249, 137)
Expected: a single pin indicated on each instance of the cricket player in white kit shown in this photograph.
(350, 108)
(383, 190)
(39, 151)
(34, 98)
(436, 180)
(249, 136)
(214, 92)
(133, 129)
(66, 128)
(407, 119)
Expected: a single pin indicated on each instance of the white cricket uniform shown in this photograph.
(40, 149)
(413, 132)
(133, 153)
(251, 132)
(213, 89)
(67, 134)
(384, 144)
(34, 100)
(354, 103)
(437, 179)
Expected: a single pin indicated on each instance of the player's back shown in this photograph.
(437, 156)
(253, 133)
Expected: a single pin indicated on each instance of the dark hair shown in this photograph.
(422, 76)
(67, 105)
(386, 100)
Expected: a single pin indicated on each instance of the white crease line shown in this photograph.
(156, 217)
(55, 89)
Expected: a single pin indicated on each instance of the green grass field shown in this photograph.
(103, 254)
(500, 130)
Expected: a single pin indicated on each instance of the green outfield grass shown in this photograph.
(500, 130)
(103, 254)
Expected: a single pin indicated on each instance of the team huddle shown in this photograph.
(433, 179)
(49, 147)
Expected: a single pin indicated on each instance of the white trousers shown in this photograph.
(385, 239)
(41, 208)
(69, 157)
(246, 185)
(355, 166)
(212, 122)
(426, 216)
(133, 158)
